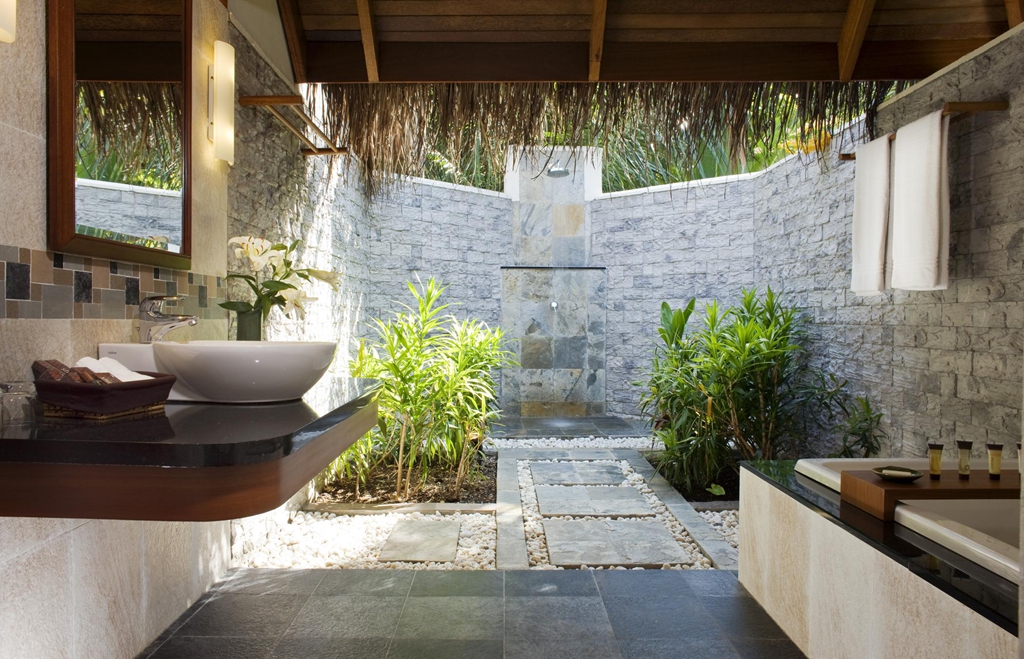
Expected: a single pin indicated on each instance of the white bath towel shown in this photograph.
(870, 217)
(112, 366)
(920, 207)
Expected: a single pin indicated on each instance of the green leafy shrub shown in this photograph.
(738, 389)
(437, 393)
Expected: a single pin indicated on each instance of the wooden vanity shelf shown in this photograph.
(957, 109)
(295, 103)
(867, 491)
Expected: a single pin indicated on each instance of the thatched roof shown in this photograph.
(391, 127)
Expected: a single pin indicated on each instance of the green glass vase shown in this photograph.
(250, 325)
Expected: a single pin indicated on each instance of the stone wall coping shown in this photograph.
(124, 187)
(415, 180)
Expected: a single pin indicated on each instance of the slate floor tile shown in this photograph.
(556, 618)
(347, 616)
(660, 617)
(660, 648)
(713, 583)
(767, 650)
(648, 583)
(742, 618)
(331, 648)
(208, 647)
(272, 582)
(550, 583)
(467, 618)
(458, 584)
(380, 583)
(576, 648)
(229, 614)
(445, 649)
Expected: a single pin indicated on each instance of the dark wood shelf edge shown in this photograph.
(173, 494)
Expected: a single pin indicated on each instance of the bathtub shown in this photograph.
(984, 531)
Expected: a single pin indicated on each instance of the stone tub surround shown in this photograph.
(841, 586)
(51, 285)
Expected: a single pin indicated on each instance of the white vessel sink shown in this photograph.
(231, 371)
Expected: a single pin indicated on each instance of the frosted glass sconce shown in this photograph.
(222, 102)
(8, 20)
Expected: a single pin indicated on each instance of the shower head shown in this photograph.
(557, 171)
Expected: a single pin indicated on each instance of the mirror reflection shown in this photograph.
(129, 109)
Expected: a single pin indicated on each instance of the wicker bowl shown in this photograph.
(92, 401)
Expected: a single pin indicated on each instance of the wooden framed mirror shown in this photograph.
(119, 143)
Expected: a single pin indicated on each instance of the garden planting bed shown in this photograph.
(438, 488)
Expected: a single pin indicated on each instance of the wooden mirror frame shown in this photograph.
(60, 83)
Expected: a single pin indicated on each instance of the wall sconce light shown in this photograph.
(221, 105)
(8, 20)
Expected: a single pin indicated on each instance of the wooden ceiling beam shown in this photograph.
(294, 36)
(369, 40)
(1014, 12)
(851, 38)
(597, 22)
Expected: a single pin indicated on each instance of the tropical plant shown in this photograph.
(861, 431)
(437, 393)
(275, 280)
(739, 389)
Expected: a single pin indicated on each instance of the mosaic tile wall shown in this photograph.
(37, 284)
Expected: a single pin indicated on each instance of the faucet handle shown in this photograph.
(155, 303)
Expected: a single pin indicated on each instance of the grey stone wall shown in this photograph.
(276, 192)
(129, 209)
(670, 243)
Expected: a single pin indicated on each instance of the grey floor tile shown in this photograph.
(743, 618)
(466, 618)
(380, 583)
(550, 583)
(675, 649)
(458, 584)
(272, 582)
(714, 583)
(206, 647)
(642, 583)
(767, 650)
(660, 617)
(347, 616)
(422, 541)
(581, 648)
(556, 618)
(331, 648)
(445, 649)
(229, 614)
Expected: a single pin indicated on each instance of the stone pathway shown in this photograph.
(422, 541)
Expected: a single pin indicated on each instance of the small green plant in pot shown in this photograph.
(275, 282)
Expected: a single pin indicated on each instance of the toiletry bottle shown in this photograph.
(963, 450)
(935, 460)
(995, 461)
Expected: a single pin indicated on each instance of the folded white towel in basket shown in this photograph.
(112, 366)
(920, 207)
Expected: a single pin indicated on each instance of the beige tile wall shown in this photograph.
(837, 597)
(91, 588)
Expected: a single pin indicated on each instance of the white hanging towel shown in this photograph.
(870, 217)
(920, 208)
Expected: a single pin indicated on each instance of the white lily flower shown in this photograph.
(257, 250)
(294, 298)
(332, 278)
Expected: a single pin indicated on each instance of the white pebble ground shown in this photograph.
(639, 443)
(726, 522)
(322, 540)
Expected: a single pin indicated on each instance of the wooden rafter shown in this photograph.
(598, 18)
(851, 38)
(1014, 12)
(369, 40)
(295, 36)
(272, 103)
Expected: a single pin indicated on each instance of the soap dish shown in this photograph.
(897, 474)
(107, 401)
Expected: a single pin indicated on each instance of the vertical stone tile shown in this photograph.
(37, 608)
(25, 340)
(167, 574)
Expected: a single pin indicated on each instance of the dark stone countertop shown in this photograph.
(191, 434)
(983, 591)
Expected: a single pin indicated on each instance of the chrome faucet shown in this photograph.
(154, 323)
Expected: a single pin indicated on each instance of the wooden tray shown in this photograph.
(104, 401)
(867, 491)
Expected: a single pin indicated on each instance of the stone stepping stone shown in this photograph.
(576, 473)
(592, 501)
(629, 543)
(422, 541)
